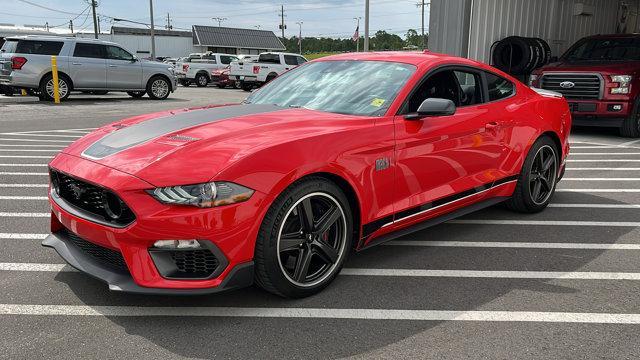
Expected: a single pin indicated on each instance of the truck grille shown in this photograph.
(93, 199)
(586, 86)
(111, 258)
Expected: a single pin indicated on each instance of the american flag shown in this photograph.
(356, 35)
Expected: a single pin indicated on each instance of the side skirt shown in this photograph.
(435, 221)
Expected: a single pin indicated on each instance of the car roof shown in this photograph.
(611, 36)
(60, 38)
(408, 57)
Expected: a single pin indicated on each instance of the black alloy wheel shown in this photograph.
(543, 174)
(304, 239)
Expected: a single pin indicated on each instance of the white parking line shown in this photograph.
(27, 215)
(24, 185)
(320, 313)
(42, 135)
(546, 223)
(604, 160)
(33, 145)
(37, 140)
(25, 157)
(600, 179)
(602, 169)
(23, 236)
(489, 274)
(510, 244)
(600, 190)
(24, 173)
(23, 197)
(25, 165)
(31, 150)
(35, 267)
(601, 147)
(603, 153)
(55, 130)
(597, 206)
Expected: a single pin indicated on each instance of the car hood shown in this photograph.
(193, 145)
(616, 67)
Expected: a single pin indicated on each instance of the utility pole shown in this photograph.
(99, 29)
(71, 26)
(282, 25)
(169, 27)
(46, 26)
(421, 4)
(219, 20)
(300, 37)
(366, 25)
(95, 19)
(153, 34)
(358, 38)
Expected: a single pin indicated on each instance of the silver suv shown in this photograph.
(83, 65)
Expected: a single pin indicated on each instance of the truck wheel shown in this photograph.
(185, 83)
(246, 86)
(46, 87)
(158, 88)
(270, 77)
(202, 80)
(631, 125)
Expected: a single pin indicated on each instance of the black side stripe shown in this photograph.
(370, 228)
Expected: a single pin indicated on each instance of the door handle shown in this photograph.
(76, 63)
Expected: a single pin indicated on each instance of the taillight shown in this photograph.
(185, 67)
(17, 62)
(256, 69)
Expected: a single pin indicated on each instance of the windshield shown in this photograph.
(344, 87)
(613, 49)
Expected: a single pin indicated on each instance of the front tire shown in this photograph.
(46, 88)
(631, 125)
(158, 88)
(538, 178)
(202, 80)
(304, 239)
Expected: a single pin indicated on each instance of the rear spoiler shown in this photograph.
(547, 93)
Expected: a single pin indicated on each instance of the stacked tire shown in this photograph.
(518, 55)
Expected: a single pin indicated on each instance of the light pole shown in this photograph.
(153, 35)
(300, 37)
(357, 19)
(366, 25)
(219, 20)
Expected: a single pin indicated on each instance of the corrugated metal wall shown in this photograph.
(492, 20)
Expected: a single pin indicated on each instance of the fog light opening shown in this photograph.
(177, 244)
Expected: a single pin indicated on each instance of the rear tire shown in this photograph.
(158, 88)
(202, 80)
(246, 86)
(46, 87)
(136, 94)
(298, 255)
(538, 178)
(631, 125)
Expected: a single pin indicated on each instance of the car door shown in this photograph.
(442, 157)
(124, 71)
(88, 66)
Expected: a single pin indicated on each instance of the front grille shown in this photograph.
(92, 199)
(111, 258)
(586, 86)
(215, 78)
(194, 263)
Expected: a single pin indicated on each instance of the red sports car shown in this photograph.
(338, 154)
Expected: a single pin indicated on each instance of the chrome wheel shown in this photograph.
(63, 88)
(542, 177)
(202, 80)
(159, 88)
(311, 239)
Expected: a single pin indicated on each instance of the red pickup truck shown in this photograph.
(599, 77)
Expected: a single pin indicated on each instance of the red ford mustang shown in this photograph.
(339, 154)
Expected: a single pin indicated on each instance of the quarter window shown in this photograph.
(499, 88)
(89, 51)
(39, 47)
(225, 59)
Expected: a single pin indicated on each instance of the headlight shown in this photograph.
(623, 82)
(203, 195)
(532, 79)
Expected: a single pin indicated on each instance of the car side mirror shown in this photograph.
(135, 59)
(433, 107)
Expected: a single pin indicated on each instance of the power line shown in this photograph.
(47, 8)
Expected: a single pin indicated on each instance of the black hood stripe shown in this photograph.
(133, 135)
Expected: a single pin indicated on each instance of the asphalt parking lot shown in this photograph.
(562, 284)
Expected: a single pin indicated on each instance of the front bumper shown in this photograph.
(599, 112)
(240, 276)
(231, 229)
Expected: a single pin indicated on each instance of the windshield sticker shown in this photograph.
(377, 102)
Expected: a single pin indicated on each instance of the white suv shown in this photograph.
(84, 65)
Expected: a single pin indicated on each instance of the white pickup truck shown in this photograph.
(268, 66)
(197, 68)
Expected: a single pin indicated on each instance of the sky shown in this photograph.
(328, 18)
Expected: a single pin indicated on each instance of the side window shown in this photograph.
(463, 88)
(290, 60)
(89, 51)
(39, 47)
(225, 59)
(499, 88)
(116, 53)
(269, 58)
(210, 58)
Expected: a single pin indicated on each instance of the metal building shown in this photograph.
(469, 27)
(235, 41)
